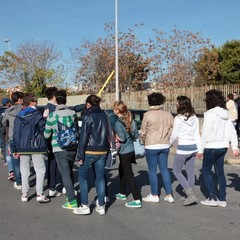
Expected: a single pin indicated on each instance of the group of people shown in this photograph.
(32, 135)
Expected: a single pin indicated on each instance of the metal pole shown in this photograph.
(116, 50)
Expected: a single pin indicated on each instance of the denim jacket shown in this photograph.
(125, 140)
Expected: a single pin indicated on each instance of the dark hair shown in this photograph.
(185, 106)
(61, 97)
(215, 98)
(94, 100)
(29, 97)
(16, 96)
(50, 92)
(230, 96)
(155, 99)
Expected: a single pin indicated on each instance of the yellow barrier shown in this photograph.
(104, 85)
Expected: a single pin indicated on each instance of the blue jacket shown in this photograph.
(28, 132)
(93, 133)
(125, 140)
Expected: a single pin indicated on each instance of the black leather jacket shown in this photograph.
(93, 135)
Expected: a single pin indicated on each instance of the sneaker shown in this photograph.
(16, 186)
(169, 199)
(100, 209)
(64, 191)
(11, 176)
(151, 198)
(24, 198)
(70, 205)
(134, 204)
(209, 202)
(221, 203)
(54, 193)
(42, 199)
(121, 196)
(82, 210)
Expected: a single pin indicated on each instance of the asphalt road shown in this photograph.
(23, 221)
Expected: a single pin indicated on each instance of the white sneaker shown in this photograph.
(169, 199)
(18, 187)
(24, 198)
(100, 209)
(64, 191)
(54, 193)
(82, 210)
(221, 203)
(151, 198)
(42, 199)
(208, 202)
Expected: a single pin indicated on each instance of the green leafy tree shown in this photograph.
(33, 67)
(229, 58)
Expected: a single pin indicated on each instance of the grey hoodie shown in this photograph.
(9, 118)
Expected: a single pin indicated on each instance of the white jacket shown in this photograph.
(187, 132)
(218, 129)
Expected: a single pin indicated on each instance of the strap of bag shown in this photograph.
(129, 132)
(110, 133)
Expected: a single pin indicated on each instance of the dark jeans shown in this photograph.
(126, 175)
(214, 157)
(16, 166)
(65, 161)
(52, 171)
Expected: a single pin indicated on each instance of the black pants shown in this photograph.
(126, 175)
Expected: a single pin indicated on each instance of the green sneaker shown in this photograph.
(121, 196)
(134, 204)
(70, 205)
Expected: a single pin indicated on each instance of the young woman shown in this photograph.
(92, 151)
(186, 131)
(155, 131)
(217, 132)
(124, 127)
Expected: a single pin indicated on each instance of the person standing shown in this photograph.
(52, 165)
(64, 157)
(125, 127)
(186, 131)
(217, 132)
(8, 121)
(92, 151)
(237, 101)
(231, 106)
(156, 129)
(29, 144)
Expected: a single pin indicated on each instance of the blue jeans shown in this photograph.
(65, 161)
(214, 157)
(98, 163)
(158, 157)
(16, 166)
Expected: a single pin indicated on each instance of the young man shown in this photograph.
(8, 121)
(52, 165)
(64, 158)
(30, 144)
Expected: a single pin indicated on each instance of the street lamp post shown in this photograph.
(116, 51)
(9, 43)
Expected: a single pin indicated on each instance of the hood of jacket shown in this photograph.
(220, 112)
(27, 114)
(190, 121)
(65, 115)
(14, 110)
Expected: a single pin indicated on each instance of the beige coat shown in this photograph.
(156, 126)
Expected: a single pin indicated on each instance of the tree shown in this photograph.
(33, 67)
(173, 56)
(229, 58)
(95, 61)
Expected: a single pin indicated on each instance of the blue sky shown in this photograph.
(66, 23)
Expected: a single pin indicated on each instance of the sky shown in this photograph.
(67, 23)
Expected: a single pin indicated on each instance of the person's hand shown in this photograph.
(80, 162)
(235, 152)
(16, 155)
(46, 113)
(199, 155)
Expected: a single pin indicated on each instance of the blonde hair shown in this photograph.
(121, 107)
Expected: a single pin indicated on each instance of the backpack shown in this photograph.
(67, 137)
